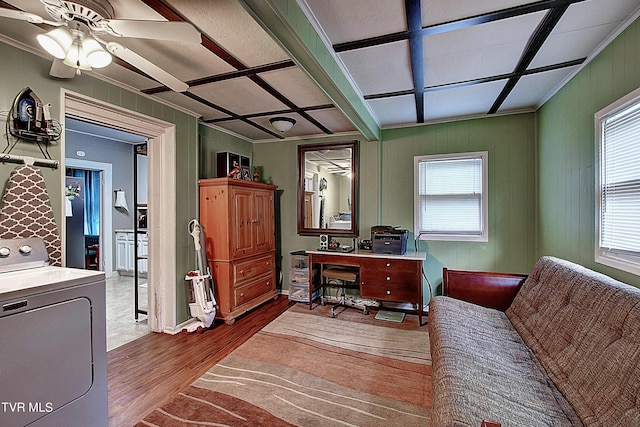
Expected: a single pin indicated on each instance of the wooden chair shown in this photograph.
(92, 252)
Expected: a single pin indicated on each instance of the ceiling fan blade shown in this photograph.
(147, 67)
(61, 71)
(22, 16)
(157, 30)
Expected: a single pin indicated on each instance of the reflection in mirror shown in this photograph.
(327, 189)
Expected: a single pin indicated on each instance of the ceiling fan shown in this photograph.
(77, 43)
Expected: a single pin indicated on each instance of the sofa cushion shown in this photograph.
(584, 327)
(483, 370)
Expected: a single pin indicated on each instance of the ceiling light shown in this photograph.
(56, 42)
(282, 124)
(76, 56)
(75, 48)
(97, 57)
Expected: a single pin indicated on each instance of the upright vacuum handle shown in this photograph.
(194, 230)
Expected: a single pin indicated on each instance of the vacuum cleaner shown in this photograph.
(203, 304)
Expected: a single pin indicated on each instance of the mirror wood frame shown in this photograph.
(355, 160)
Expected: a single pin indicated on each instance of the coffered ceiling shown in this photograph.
(346, 66)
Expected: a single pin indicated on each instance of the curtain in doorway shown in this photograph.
(91, 199)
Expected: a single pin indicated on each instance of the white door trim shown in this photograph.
(162, 194)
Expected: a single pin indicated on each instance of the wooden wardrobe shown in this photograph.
(239, 226)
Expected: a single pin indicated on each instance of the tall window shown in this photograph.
(451, 197)
(618, 184)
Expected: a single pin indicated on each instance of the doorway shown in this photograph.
(94, 214)
(83, 193)
(106, 229)
(162, 196)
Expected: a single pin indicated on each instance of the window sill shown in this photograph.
(453, 238)
(619, 262)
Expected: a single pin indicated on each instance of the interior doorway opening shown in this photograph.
(105, 172)
(83, 193)
(161, 204)
(87, 213)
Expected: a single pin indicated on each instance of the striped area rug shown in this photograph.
(308, 369)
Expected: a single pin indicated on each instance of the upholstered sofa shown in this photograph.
(565, 352)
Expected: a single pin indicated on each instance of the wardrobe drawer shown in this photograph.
(248, 270)
(253, 290)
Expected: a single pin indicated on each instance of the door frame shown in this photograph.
(106, 225)
(162, 194)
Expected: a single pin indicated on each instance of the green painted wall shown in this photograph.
(19, 69)
(386, 189)
(213, 141)
(278, 161)
(566, 165)
(510, 142)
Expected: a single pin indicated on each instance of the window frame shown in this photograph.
(457, 237)
(616, 259)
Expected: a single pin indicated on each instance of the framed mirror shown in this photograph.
(328, 189)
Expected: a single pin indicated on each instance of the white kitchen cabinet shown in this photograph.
(125, 252)
(143, 252)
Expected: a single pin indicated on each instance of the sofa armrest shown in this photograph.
(488, 289)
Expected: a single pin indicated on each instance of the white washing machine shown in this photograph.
(53, 358)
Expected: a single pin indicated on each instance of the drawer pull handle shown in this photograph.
(388, 264)
(388, 292)
(388, 278)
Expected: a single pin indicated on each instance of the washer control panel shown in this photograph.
(19, 254)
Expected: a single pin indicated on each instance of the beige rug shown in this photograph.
(311, 370)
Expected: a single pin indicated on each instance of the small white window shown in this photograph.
(618, 184)
(450, 197)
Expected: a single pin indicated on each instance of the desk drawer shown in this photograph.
(389, 292)
(253, 290)
(248, 270)
(388, 265)
(389, 286)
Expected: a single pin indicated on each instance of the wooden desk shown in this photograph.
(383, 277)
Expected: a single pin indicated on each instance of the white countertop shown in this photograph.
(18, 284)
(409, 255)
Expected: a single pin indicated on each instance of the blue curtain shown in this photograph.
(91, 199)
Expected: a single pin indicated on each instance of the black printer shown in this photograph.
(387, 239)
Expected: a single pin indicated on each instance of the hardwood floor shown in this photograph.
(145, 373)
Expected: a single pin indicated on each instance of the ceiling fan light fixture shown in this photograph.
(96, 56)
(76, 56)
(56, 42)
(282, 124)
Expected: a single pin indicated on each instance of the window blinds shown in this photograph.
(450, 196)
(620, 182)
